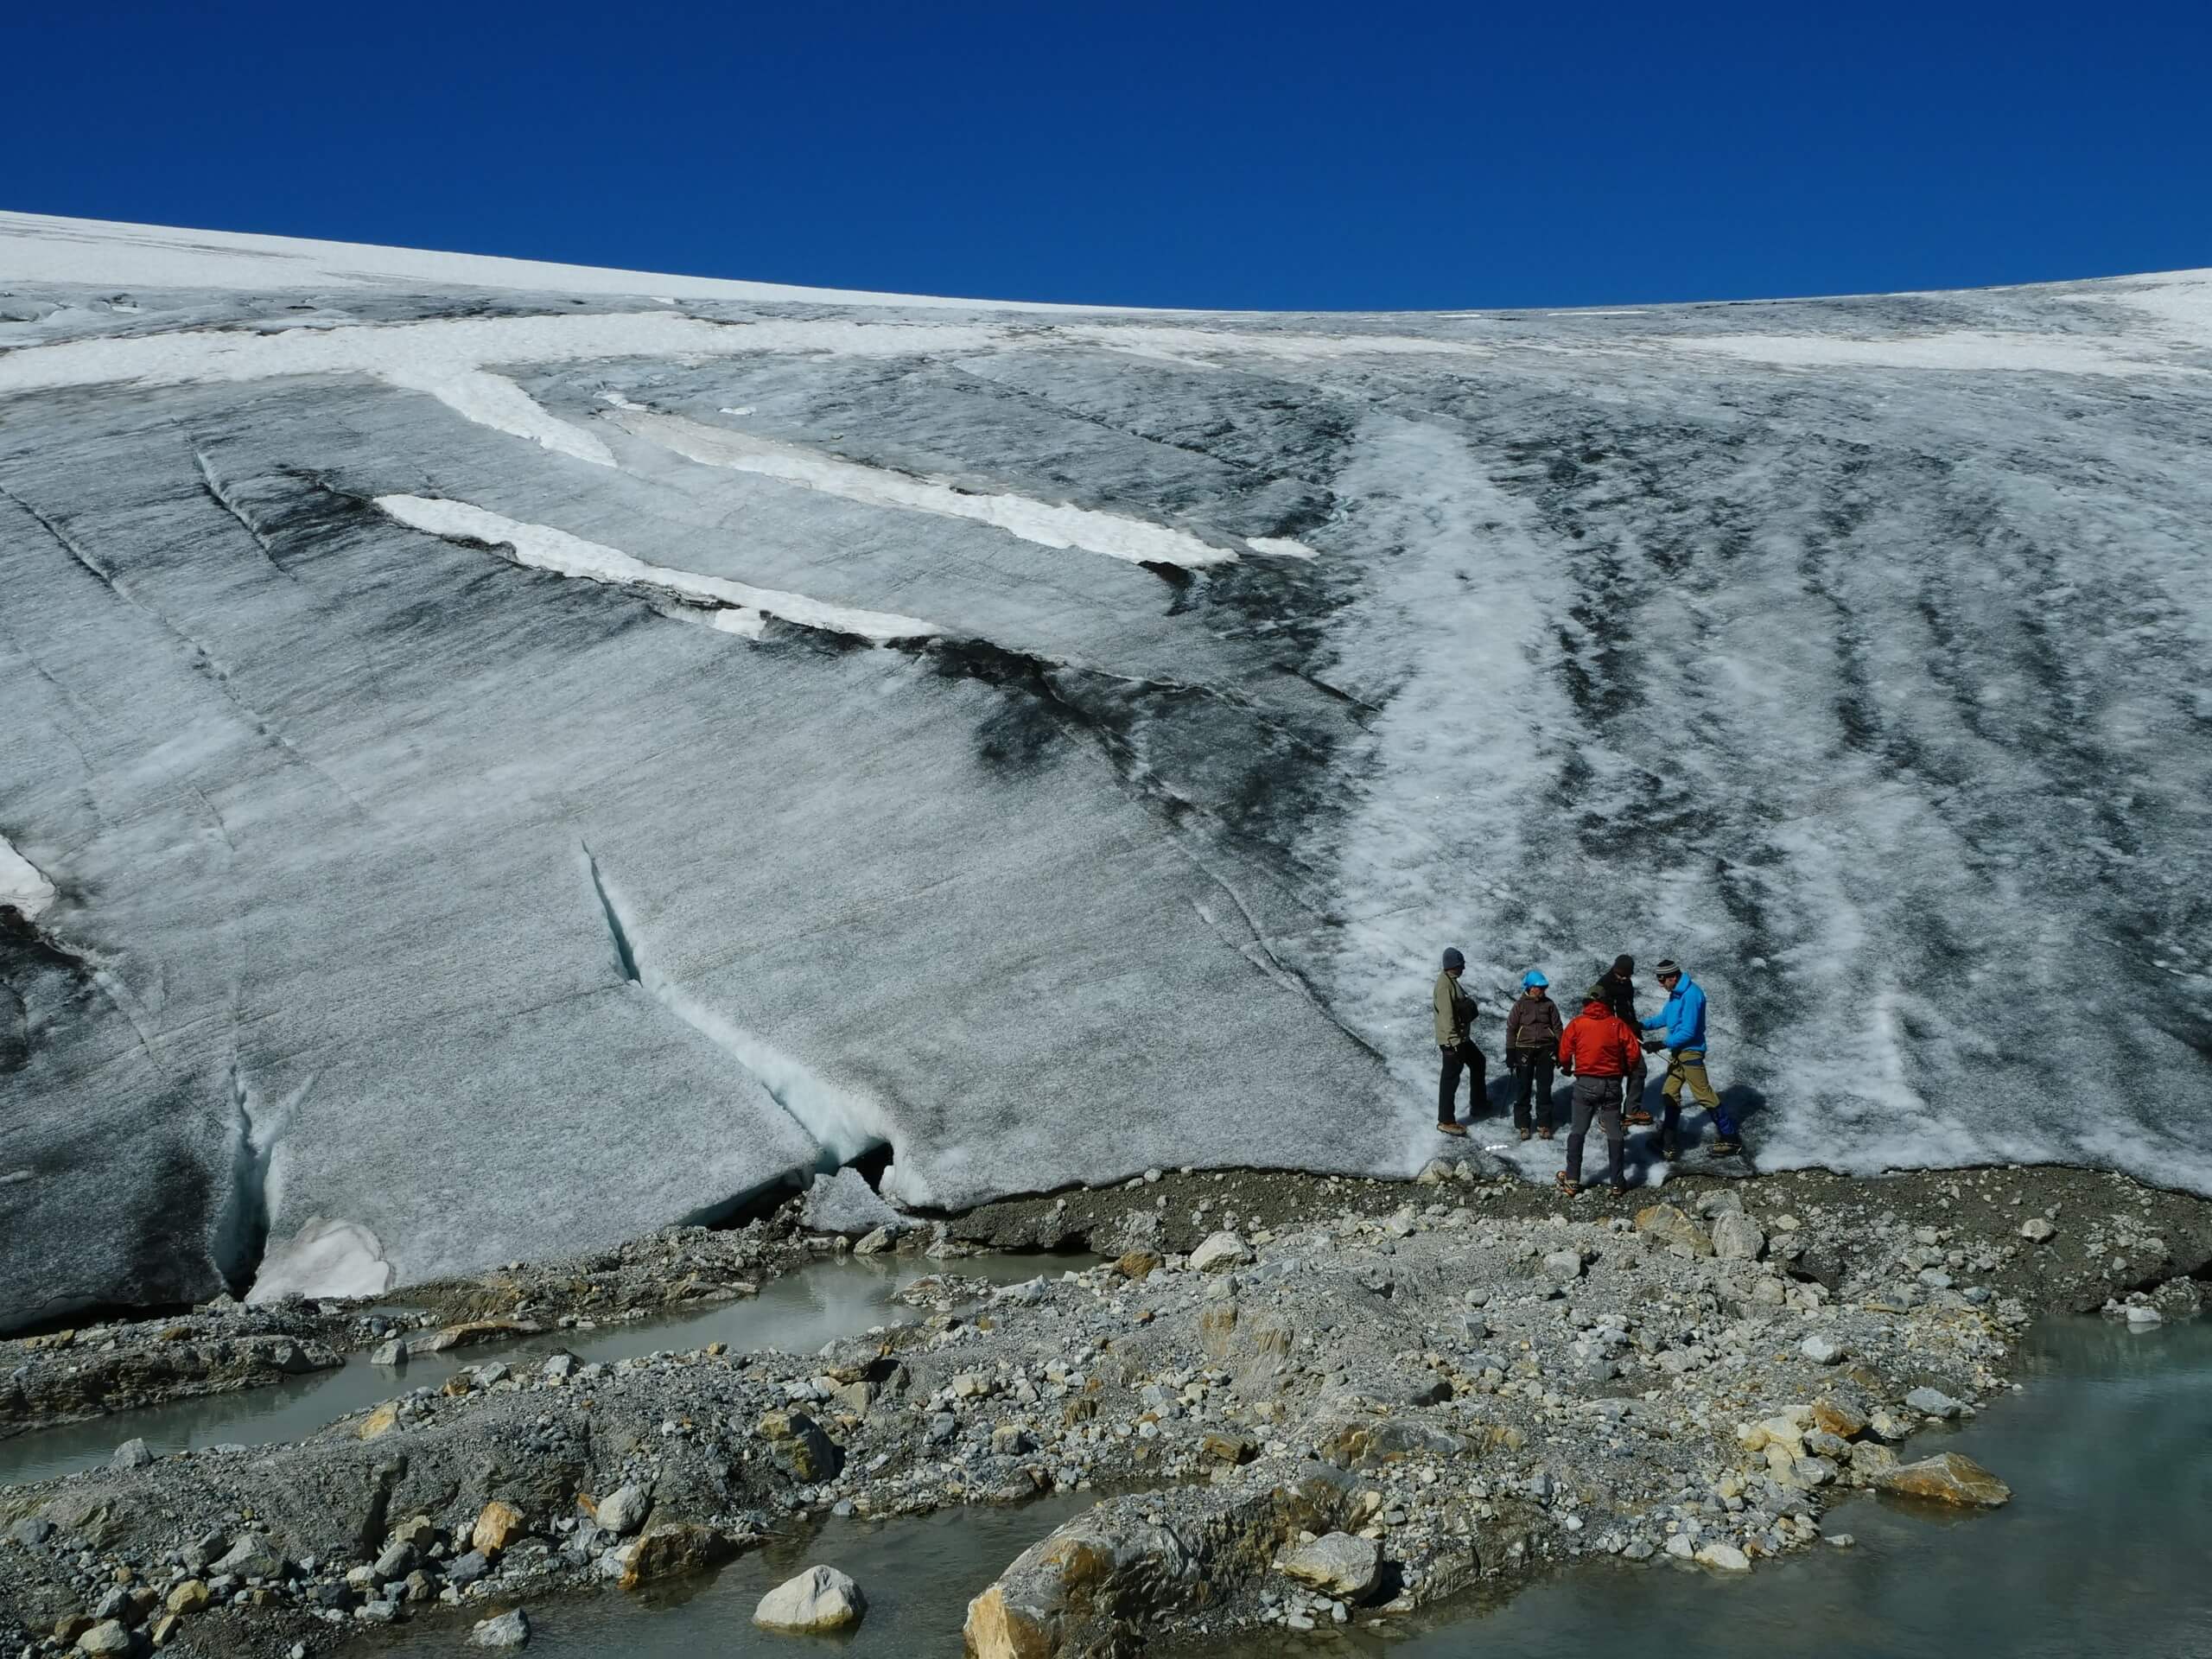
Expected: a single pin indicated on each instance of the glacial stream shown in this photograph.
(2109, 1451)
(796, 1313)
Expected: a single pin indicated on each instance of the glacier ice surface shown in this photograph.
(1100, 723)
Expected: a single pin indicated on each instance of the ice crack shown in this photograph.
(843, 1125)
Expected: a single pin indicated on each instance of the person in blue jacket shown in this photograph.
(1680, 1029)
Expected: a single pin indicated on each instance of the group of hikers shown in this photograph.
(1602, 1049)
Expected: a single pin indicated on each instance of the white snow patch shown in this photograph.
(434, 354)
(544, 548)
(324, 1258)
(41, 248)
(1053, 524)
(20, 883)
(494, 401)
(1973, 350)
(1280, 547)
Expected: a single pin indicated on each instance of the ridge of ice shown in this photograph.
(544, 548)
(1047, 524)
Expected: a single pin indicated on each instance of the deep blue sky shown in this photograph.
(1231, 154)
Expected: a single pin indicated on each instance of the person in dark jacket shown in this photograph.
(1597, 1049)
(1455, 1018)
(1617, 989)
(1532, 1034)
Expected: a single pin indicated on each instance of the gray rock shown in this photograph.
(31, 1531)
(844, 1202)
(252, 1556)
(131, 1454)
(1933, 1403)
(1336, 1563)
(508, 1629)
(820, 1598)
(108, 1637)
(1219, 1250)
(392, 1351)
(622, 1511)
(1822, 1350)
(2036, 1230)
(466, 1570)
(1737, 1237)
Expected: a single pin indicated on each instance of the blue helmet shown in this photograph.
(1533, 978)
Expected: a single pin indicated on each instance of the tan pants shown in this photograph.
(1690, 1069)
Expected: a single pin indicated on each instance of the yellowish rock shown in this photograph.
(498, 1523)
(189, 1597)
(382, 1420)
(1946, 1477)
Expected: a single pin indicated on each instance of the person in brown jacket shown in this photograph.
(1617, 990)
(1455, 1016)
(1532, 1034)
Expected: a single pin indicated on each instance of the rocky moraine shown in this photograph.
(1300, 1402)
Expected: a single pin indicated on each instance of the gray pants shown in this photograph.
(1599, 1097)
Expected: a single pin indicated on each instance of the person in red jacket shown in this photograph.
(1598, 1050)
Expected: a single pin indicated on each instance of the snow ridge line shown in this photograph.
(1047, 524)
(843, 1125)
(735, 607)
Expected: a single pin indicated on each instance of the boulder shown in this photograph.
(622, 1511)
(1336, 1563)
(1737, 1237)
(1725, 1558)
(820, 1598)
(250, 1556)
(844, 1202)
(875, 1242)
(1822, 1351)
(109, 1636)
(2036, 1230)
(509, 1629)
(1934, 1402)
(498, 1523)
(798, 1443)
(468, 1333)
(131, 1454)
(1666, 1225)
(1223, 1250)
(675, 1551)
(187, 1597)
(1839, 1417)
(1138, 1265)
(1946, 1477)
(391, 1352)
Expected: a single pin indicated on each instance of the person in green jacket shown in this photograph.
(1455, 1018)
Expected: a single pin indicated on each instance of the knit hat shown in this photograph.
(1625, 966)
(1533, 978)
(1668, 965)
(1453, 959)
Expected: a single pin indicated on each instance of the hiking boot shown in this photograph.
(1620, 1189)
(1546, 1134)
(1525, 1134)
(1727, 1146)
(1452, 1128)
(1636, 1114)
(1670, 1150)
(1567, 1184)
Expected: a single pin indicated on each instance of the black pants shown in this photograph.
(1533, 1067)
(1475, 1064)
(1598, 1098)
